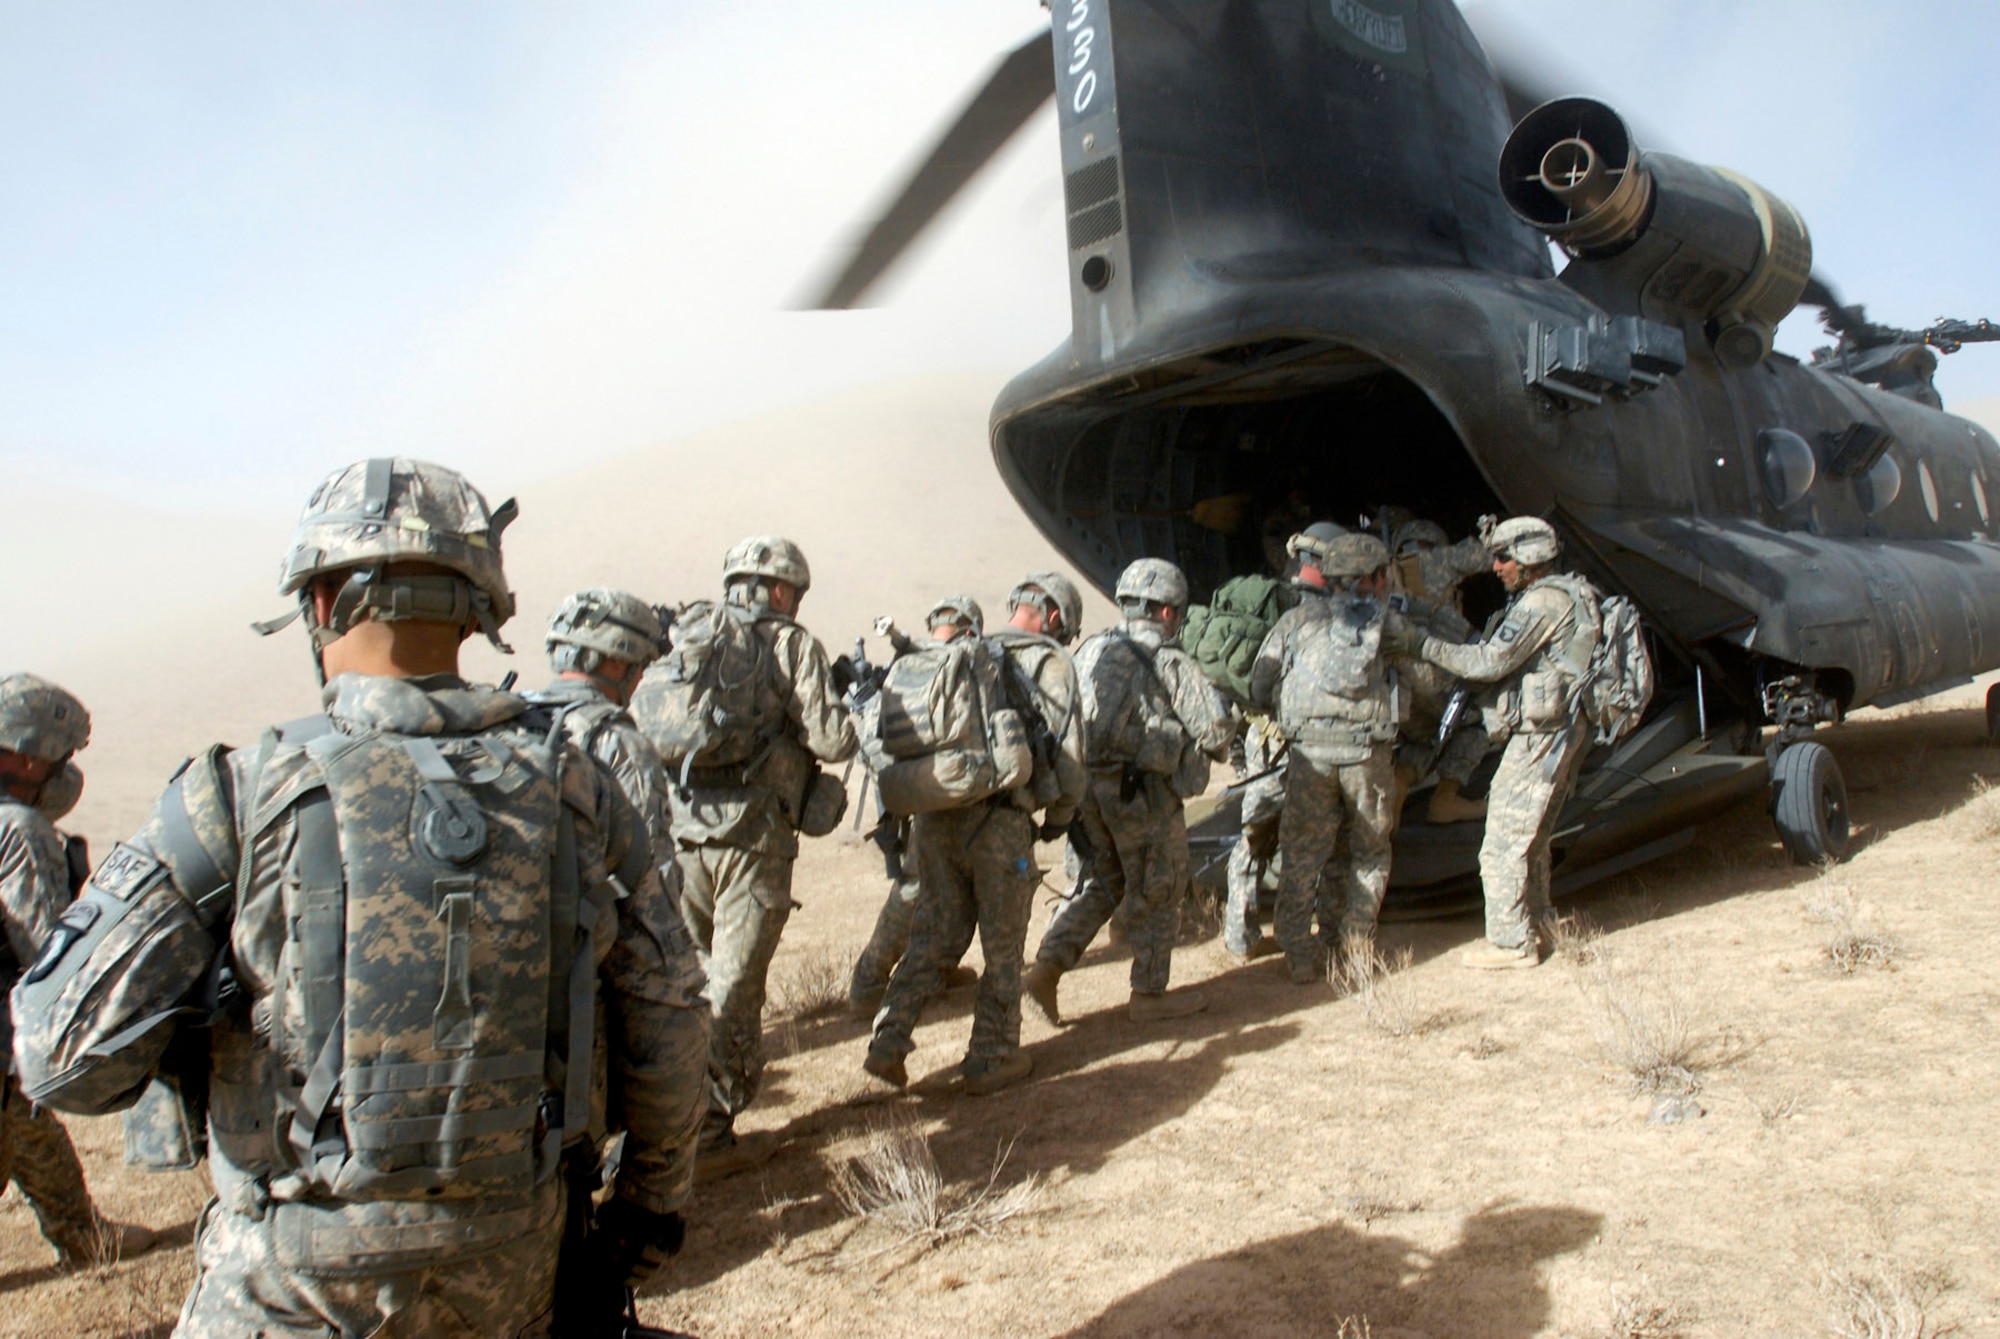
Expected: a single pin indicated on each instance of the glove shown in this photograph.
(1403, 639)
(635, 1243)
(1483, 527)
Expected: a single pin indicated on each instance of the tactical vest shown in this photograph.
(437, 978)
(1337, 691)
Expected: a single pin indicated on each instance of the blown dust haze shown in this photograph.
(1277, 1165)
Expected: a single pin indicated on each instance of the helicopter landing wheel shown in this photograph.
(1809, 803)
(1993, 714)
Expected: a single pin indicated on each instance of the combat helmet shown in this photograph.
(1312, 541)
(1352, 556)
(40, 720)
(1529, 540)
(593, 625)
(1412, 533)
(1150, 581)
(959, 609)
(1056, 592)
(366, 516)
(768, 558)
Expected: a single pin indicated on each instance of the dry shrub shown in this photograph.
(1635, 1318)
(1354, 1327)
(1851, 938)
(1575, 939)
(815, 986)
(1874, 1299)
(895, 1183)
(1649, 1021)
(1981, 814)
(1382, 986)
(1201, 914)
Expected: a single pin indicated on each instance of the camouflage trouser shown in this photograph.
(1527, 794)
(1263, 802)
(35, 1153)
(1321, 798)
(1142, 861)
(887, 945)
(241, 1288)
(736, 903)
(979, 875)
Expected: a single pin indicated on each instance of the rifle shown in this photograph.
(589, 1302)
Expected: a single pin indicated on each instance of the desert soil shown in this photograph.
(1279, 1164)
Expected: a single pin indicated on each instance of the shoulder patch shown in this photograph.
(124, 872)
(1509, 631)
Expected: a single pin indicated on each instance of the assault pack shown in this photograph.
(1225, 634)
(701, 704)
(1337, 690)
(1614, 681)
(939, 733)
(1129, 720)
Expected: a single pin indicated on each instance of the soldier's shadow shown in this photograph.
(1485, 1286)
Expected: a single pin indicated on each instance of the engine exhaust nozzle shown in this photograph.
(1571, 169)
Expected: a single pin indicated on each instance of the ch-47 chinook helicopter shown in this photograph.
(1307, 257)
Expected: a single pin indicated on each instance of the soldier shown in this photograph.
(41, 726)
(403, 920)
(978, 861)
(1532, 658)
(743, 710)
(1152, 723)
(1323, 672)
(1432, 571)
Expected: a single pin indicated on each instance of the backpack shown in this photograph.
(941, 736)
(701, 704)
(1336, 686)
(1225, 634)
(1615, 683)
(1129, 719)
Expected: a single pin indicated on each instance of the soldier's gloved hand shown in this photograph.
(1403, 639)
(636, 1243)
(1483, 527)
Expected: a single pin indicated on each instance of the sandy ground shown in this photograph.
(1279, 1164)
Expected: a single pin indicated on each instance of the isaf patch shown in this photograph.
(124, 871)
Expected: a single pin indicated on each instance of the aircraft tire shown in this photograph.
(1809, 803)
(1993, 714)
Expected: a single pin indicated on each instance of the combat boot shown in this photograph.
(1448, 805)
(1038, 986)
(722, 1152)
(886, 1068)
(1004, 1072)
(1158, 1007)
(1488, 956)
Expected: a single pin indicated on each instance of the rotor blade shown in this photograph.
(1820, 292)
(1017, 88)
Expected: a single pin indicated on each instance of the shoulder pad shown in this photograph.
(194, 831)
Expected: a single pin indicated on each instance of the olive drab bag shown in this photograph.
(703, 704)
(1614, 674)
(940, 733)
(1225, 634)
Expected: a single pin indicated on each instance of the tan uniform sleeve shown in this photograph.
(1269, 667)
(1198, 704)
(1522, 633)
(1062, 706)
(656, 1020)
(34, 879)
(825, 727)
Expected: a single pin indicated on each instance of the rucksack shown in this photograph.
(702, 703)
(1224, 635)
(1129, 718)
(1334, 673)
(939, 732)
(1615, 684)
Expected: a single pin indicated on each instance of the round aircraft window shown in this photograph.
(1879, 487)
(1928, 487)
(1787, 465)
(1979, 499)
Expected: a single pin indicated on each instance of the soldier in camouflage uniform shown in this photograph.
(1529, 658)
(1431, 572)
(1323, 673)
(41, 726)
(403, 920)
(1152, 723)
(977, 861)
(736, 826)
(891, 936)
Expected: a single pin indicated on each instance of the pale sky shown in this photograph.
(241, 243)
